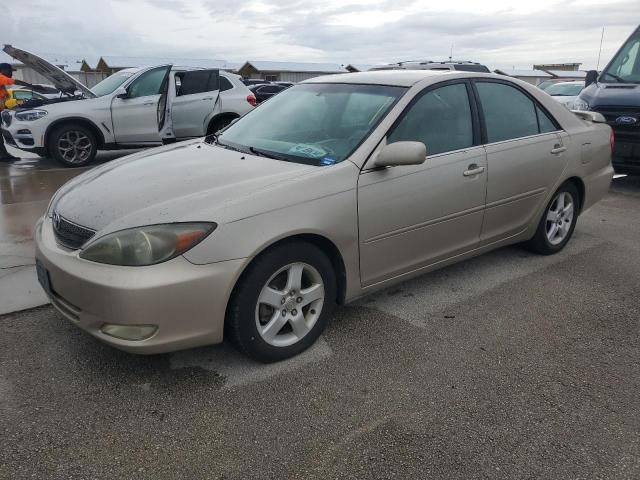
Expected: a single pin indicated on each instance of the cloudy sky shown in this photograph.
(499, 33)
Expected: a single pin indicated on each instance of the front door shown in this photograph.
(135, 115)
(525, 157)
(194, 103)
(414, 216)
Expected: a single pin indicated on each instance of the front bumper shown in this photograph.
(186, 302)
(23, 135)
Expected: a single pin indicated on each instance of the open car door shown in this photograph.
(195, 102)
(165, 126)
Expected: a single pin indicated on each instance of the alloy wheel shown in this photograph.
(559, 218)
(289, 304)
(74, 146)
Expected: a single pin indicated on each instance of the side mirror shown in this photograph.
(401, 153)
(121, 92)
(592, 77)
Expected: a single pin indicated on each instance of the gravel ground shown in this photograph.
(507, 366)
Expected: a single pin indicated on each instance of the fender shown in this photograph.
(89, 123)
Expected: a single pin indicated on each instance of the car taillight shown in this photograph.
(252, 100)
(612, 141)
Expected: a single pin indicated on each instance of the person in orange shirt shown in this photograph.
(6, 79)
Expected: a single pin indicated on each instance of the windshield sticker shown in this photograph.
(327, 161)
(304, 150)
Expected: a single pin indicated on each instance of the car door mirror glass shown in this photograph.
(401, 153)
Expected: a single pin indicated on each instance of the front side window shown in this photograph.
(441, 119)
(508, 113)
(315, 123)
(149, 83)
(625, 66)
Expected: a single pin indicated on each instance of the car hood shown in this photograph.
(185, 182)
(58, 77)
(610, 94)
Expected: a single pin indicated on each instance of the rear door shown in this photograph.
(525, 157)
(135, 115)
(195, 100)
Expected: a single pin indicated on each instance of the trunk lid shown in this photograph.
(58, 77)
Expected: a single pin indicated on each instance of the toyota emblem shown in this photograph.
(56, 220)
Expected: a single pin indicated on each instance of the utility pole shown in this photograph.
(600, 52)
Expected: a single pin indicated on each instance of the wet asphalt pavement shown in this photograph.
(507, 366)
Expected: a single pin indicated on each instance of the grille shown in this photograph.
(6, 117)
(68, 234)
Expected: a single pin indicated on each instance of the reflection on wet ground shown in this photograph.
(26, 186)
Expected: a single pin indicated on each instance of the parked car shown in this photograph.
(264, 92)
(337, 187)
(461, 66)
(565, 92)
(135, 107)
(615, 93)
(254, 81)
(286, 84)
(17, 96)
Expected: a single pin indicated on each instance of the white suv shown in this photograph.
(135, 107)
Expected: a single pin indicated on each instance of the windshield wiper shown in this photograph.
(214, 139)
(616, 77)
(264, 153)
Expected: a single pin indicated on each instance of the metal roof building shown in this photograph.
(288, 71)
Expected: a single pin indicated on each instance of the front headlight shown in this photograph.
(30, 115)
(149, 245)
(581, 105)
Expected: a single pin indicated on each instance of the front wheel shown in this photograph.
(283, 302)
(558, 222)
(73, 145)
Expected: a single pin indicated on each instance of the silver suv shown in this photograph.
(463, 66)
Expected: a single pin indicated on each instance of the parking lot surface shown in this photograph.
(510, 365)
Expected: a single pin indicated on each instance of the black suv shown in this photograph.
(615, 93)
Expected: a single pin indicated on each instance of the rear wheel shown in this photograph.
(283, 302)
(73, 145)
(558, 221)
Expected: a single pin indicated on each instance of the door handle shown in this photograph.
(207, 98)
(472, 170)
(558, 149)
(148, 103)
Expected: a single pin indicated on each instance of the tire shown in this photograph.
(73, 145)
(219, 123)
(555, 229)
(288, 322)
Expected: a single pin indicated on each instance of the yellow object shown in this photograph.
(17, 96)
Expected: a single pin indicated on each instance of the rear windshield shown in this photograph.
(472, 68)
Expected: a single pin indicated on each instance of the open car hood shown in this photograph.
(58, 77)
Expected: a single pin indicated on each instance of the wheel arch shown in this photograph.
(76, 120)
(579, 184)
(220, 116)
(320, 241)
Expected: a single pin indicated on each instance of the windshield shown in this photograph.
(318, 124)
(109, 84)
(625, 66)
(565, 89)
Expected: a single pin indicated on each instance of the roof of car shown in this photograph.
(401, 78)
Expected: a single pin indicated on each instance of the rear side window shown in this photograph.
(198, 81)
(441, 119)
(225, 84)
(546, 124)
(508, 113)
